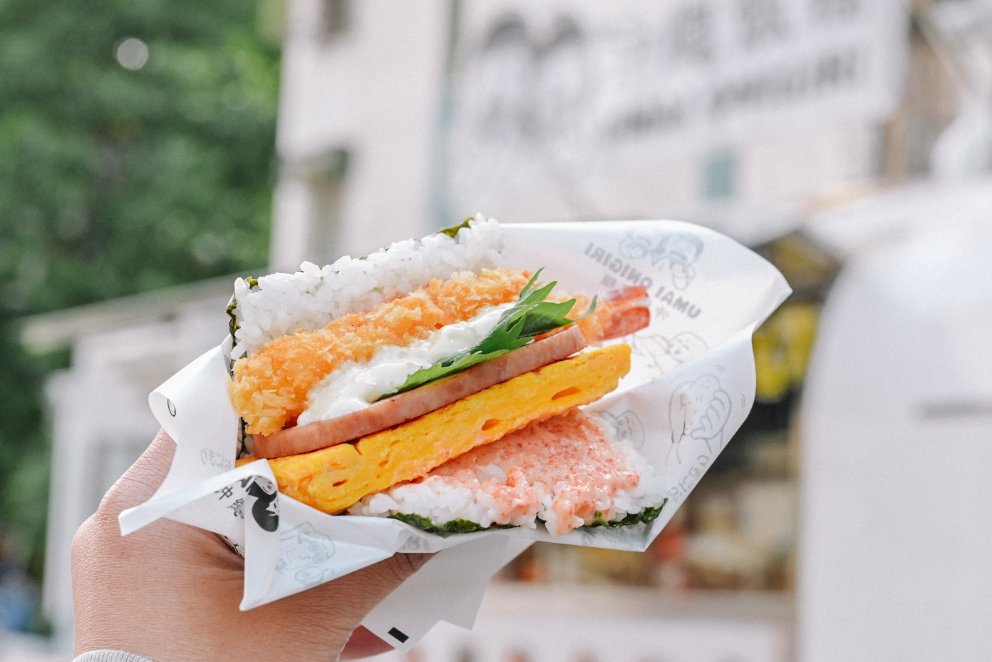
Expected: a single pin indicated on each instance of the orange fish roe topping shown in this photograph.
(269, 388)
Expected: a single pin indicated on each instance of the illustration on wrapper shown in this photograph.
(699, 411)
(625, 426)
(675, 253)
(662, 353)
(304, 554)
(265, 509)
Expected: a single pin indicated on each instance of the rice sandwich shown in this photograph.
(425, 382)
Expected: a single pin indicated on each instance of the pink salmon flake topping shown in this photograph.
(562, 470)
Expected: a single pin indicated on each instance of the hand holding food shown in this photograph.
(451, 384)
(171, 592)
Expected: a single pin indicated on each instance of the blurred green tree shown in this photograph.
(136, 152)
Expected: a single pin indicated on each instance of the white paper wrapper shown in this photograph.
(690, 389)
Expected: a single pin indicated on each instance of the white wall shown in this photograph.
(372, 90)
(893, 557)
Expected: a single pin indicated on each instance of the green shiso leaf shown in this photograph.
(530, 316)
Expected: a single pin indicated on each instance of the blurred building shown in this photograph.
(752, 117)
(395, 120)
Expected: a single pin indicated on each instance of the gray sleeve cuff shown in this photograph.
(110, 656)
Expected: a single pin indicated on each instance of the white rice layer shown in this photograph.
(313, 296)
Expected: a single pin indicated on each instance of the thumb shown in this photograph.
(142, 479)
(354, 595)
(368, 587)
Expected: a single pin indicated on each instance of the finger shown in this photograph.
(357, 593)
(363, 644)
(334, 610)
(380, 579)
(142, 479)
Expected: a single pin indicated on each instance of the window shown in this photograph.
(720, 175)
(334, 18)
(325, 180)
